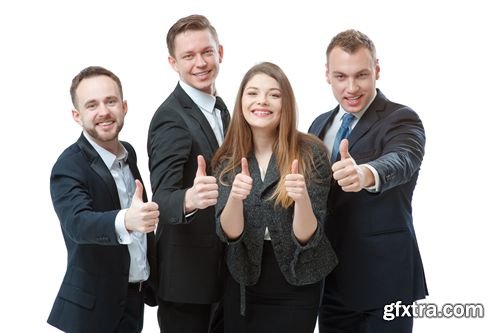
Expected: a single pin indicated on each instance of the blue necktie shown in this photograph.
(343, 132)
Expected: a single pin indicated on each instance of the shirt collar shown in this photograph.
(108, 157)
(359, 114)
(202, 100)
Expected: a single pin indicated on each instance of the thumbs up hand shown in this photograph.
(295, 183)
(242, 184)
(141, 216)
(139, 191)
(202, 167)
(350, 176)
(344, 150)
(204, 192)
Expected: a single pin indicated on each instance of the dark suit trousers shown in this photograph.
(133, 316)
(336, 317)
(189, 318)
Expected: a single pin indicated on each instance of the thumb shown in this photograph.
(295, 166)
(201, 167)
(344, 149)
(139, 190)
(244, 167)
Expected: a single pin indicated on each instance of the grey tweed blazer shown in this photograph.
(300, 264)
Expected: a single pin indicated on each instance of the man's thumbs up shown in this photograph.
(349, 175)
(204, 191)
(344, 149)
(141, 216)
(139, 191)
(202, 167)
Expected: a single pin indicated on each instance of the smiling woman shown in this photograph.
(261, 104)
(274, 182)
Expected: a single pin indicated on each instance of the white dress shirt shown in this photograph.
(125, 184)
(206, 104)
(267, 235)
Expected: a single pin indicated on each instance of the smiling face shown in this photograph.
(352, 77)
(100, 110)
(197, 58)
(261, 102)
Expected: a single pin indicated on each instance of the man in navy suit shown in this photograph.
(105, 218)
(375, 170)
(184, 133)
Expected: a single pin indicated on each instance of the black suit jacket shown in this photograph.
(372, 233)
(190, 256)
(85, 198)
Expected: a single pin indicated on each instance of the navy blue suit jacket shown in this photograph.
(372, 233)
(93, 293)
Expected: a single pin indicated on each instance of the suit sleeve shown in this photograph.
(76, 208)
(402, 149)
(169, 148)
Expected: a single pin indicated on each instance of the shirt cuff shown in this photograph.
(375, 188)
(190, 214)
(122, 233)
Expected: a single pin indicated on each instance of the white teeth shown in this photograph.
(106, 123)
(261, 113)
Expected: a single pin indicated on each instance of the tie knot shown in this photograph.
(219, 104)
(347, 119)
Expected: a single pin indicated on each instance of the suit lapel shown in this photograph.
(272, 175)
(324, 123)
(192, 110)
(370, 117)
(270, 180)
(132, 164)
(97, 164)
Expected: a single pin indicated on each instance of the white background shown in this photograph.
(440, 59)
